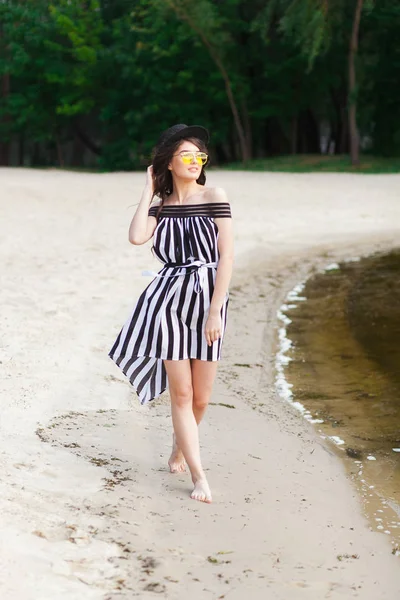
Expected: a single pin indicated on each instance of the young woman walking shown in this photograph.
(174, 335)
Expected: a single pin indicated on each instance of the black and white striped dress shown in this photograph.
(169, 318)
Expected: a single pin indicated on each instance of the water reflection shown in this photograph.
(345, 370)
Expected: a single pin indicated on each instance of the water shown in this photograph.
(345, 370)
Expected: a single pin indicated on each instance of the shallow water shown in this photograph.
(345, 370)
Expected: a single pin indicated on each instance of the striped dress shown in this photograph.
(168, 320)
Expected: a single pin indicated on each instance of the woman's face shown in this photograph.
(185, 170)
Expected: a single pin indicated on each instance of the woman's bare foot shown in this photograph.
(176, 460)
(201, 491)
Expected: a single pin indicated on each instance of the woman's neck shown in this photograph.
(183, 190)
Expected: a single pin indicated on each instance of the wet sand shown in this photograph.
(87, 507)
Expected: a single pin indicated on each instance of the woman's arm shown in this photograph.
(142, 226)
(224, 271)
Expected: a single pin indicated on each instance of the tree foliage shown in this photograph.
(93, 82)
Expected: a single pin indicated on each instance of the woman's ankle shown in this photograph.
(198, 475)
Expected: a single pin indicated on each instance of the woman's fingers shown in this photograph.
(212, 335)
(213, 329)
(150, 177)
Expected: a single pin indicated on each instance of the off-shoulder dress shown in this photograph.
(169, 317)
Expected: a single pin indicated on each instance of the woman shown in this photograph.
(175, 332)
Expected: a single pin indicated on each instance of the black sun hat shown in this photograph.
(182, 131)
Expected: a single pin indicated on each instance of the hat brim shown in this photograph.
(192, 131)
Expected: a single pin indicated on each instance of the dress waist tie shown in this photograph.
(198, 267)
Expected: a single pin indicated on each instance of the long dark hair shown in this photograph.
(162, 176)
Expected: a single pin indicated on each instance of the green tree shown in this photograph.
(316, 25)
(381, 91)
(263, 75)
(48, 56)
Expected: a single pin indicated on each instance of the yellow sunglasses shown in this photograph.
(188, 157)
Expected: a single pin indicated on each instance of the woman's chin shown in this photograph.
(190, 176)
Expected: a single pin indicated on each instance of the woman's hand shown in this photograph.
(213, 328)
(150, 179)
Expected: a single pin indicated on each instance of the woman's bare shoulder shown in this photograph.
(155, 203)
(153, 208)
(215, 194)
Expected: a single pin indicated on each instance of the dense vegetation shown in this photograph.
(92, 83)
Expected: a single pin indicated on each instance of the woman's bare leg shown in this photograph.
(203, 376)
(185, 427)
(176, 461)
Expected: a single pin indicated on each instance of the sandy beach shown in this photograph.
(88, 509)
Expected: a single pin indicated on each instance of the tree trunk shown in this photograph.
(85, 139)
(21, 149)
(5, 146)
(293, 135)
(78, 152)
(244, 150)
(5, 91)
(276, 142)
(352, 100)
(343, 139)
(340, 126)
(308, 133)
(60, 154)
(248, 134)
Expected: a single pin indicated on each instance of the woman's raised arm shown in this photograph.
(142, 225)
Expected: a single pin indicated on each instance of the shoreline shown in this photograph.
(90, 488)
(371, 499)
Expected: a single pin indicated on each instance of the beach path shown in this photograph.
(88, 509)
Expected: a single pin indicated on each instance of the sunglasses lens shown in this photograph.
(188, 157)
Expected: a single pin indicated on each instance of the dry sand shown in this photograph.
(87, 507)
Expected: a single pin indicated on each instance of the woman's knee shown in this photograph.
(200, 401)
(182, 395)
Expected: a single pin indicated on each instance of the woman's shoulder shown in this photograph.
(218, 203)
(153, 208)
(215, 195)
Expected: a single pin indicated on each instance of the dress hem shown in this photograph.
(162, 358)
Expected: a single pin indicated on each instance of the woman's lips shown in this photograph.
(193, 169)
